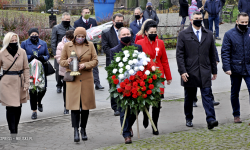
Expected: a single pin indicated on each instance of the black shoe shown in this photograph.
(40, 107)
(216, 103)
(84, 135)
(117, 113)
(34, 115)
(212, 124)
(218, 38)
(98, 87)
(194, 104)
(59, 90)
(155, 132)
(66, 111)
(189, 123)
(76, 135)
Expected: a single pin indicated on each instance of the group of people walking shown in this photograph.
(196, 57)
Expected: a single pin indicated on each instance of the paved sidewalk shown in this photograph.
(103, 128)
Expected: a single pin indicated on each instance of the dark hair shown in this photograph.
(70, 34)
(197, 13)
(117, 14)
(149, 24)
(243, 14)
(85, 8)
(85, 41)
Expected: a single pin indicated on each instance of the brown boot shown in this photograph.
(128, 140)
(237, 120)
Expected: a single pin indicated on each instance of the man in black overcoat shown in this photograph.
(196, 60)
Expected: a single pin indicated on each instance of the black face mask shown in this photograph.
(137, 17)
(149, 7)
(152, 37)
(197, 23)
(243, 27)
(13, 46)
(118, 25)
(126, 39)
(34, 39)
(66, 24)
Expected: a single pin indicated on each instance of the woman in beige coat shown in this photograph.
(14, 84)
(80, 94)
(205, 19)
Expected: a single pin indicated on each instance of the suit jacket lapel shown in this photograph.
(203, 36)
(193, 36)
(112, 35)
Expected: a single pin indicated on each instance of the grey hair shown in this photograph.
(119, 31)
(65, 14)
(139, 9)
(195, 13)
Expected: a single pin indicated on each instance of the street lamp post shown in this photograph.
(163, 6)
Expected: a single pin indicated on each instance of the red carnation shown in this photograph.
(142, 83)
(154, 76)
(144, 96)
(138, 81)
(128, 94)
(143, 88)
(128, 87)
(131, 78)
(116, 81)
(149, 92)
(119, 90)
(122, 85)
(145, 76)
(113, 77)
(135, 84)
(139, 93)
(134, 96)
(134, 90)
(150, 80)
(126, 81)
(139, 73)
(151, 86)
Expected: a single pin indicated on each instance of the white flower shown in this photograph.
(31, 80)
(118, 59)
(130, 62)
(121, 76)
(121, 70)
(125, 51)
(140, 56)
(141, 68)
(125, 59)
(134, 55)
(147, 72)
(143, 53)
(114, 71)
(135, 51)
(144, 63)
(136, 68)
(148, 59)
(135, 61)
(131, 72)
(127, 55)
(128, 67)
(120, 64)
(40, 79)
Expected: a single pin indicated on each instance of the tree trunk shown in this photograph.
(131, 4)
(143, 4)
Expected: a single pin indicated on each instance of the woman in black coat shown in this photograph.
(183, 11)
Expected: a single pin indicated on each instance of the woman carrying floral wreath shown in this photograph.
(156, 49)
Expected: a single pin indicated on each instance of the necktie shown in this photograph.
(197, 34)
(139, 23)
(86, 21)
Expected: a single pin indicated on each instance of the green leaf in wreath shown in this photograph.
(112, 89)
(151, 97)
(116, 94)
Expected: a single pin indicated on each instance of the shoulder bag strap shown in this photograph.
(10, 67)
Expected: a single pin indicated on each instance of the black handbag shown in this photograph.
(48, 68)
(1, 75)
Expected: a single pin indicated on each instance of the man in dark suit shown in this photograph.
(109, 40)
(124, 36)
(196, 60)
(58, 32)
(137, 23)
(86, 22)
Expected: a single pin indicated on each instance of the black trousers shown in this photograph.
(36, 98)
(196, 99)
(13, 115)
(64, 93)
(76, 115)
(155, 114)
(95, 70)
(206, 23)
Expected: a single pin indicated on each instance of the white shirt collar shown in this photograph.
(195, 32)
(84, 20)
(140, 21)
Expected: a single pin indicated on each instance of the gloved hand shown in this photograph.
(41, 58)
(32, 57)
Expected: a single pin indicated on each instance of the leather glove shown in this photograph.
(32, 57)
(41, 58)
